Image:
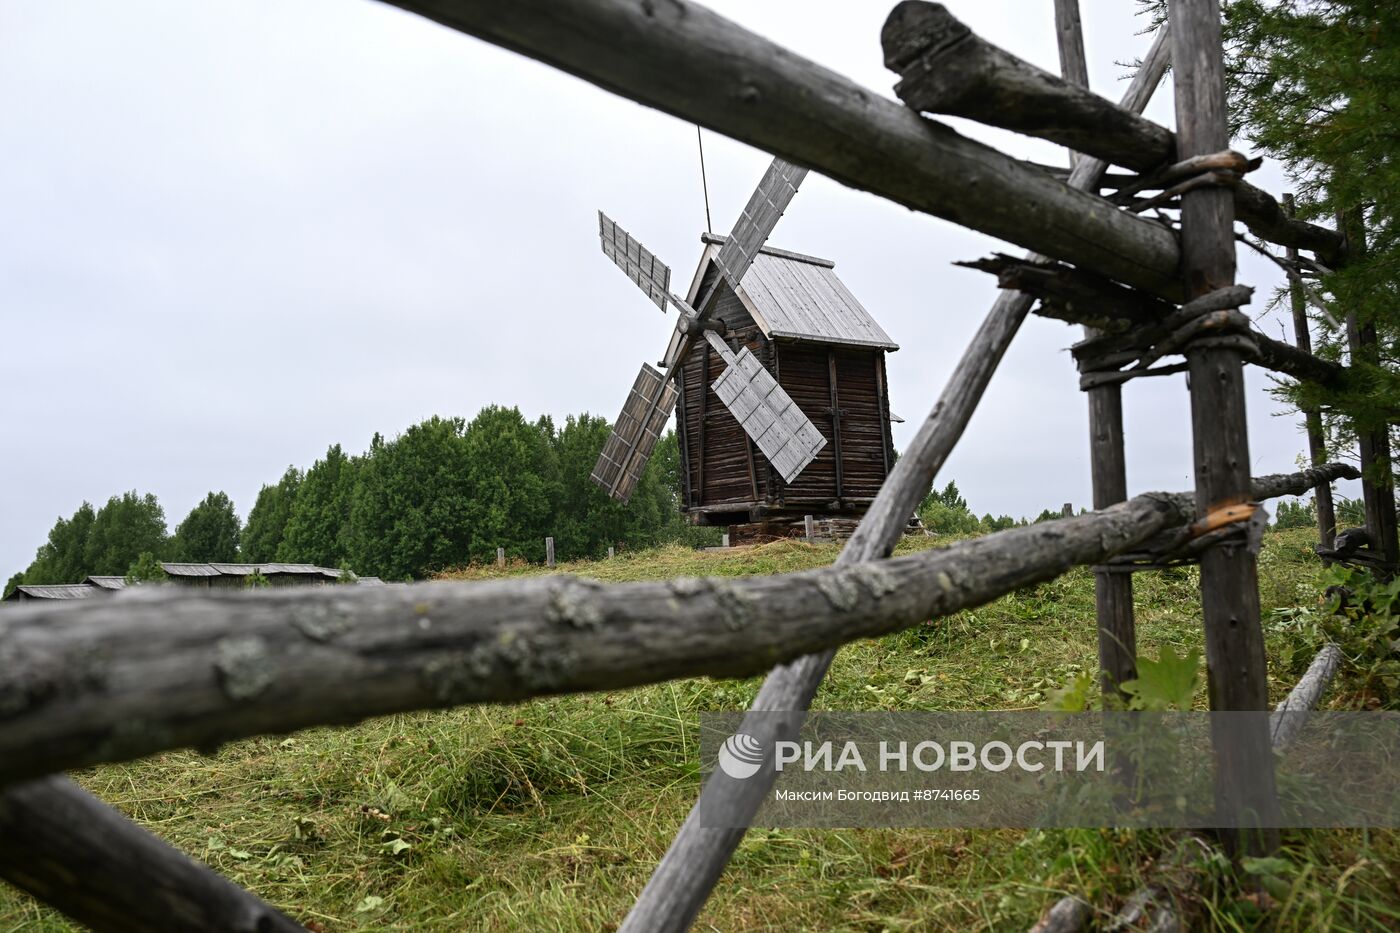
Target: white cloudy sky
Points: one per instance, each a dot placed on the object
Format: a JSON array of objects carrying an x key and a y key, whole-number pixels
[{"x": 237, "y": 231}]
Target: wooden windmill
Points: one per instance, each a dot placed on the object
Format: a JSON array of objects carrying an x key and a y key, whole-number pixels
[{"x": 778, "y": 372}]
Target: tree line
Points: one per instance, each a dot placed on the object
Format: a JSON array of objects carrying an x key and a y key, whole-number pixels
[{"x": 445, "y": 492}]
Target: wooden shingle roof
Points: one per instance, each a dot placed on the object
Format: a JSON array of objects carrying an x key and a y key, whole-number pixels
[{"x": 797, "y": 297}]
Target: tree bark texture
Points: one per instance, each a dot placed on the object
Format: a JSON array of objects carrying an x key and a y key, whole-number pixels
[{"x": 1312, "y": 418}]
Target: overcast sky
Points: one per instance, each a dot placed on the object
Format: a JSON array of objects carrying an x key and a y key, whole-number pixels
[{"x": 237, "y": 232}]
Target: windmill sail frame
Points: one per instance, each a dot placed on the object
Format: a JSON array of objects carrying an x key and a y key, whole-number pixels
[
  {"x": 635, "y": 434},
  {"x": 765, "y": 208},
  {"x": 637, "y": 262},
  {"x": 766, "y": 412}
]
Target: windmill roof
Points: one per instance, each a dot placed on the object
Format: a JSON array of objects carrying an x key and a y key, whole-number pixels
[{"x": 798, "y": 297}]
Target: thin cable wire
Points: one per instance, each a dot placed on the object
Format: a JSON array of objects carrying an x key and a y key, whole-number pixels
[{"x": 704, "y": 184}]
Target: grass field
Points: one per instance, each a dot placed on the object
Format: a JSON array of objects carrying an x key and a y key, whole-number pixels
[{"x": 549, "y": 815}]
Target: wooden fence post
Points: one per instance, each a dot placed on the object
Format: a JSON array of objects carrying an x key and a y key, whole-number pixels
[
  {"x": 1312, "y": 418},
  {"x": 1113, "y": 592},
  {"x": 500, "y": 557},
  {"x": 549, "y": 552},
  {"x": 1236, "y": 667},
  {"x": 810, "y": 528}
]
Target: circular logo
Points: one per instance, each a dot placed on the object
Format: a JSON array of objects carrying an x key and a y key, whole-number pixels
[{"x": 740, "y": 756}]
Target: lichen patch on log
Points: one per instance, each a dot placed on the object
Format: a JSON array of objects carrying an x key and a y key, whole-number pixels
[
  {"x": 573, "y": 602},
  {"x": 244, "y": 665},
  {"x": 320, "y": 622}
]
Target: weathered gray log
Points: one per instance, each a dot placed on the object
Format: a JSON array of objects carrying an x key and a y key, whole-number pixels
[
  {"x": 1312, "y": 418},
  {"x": 1074, "y": 296},
  {"x": 1258, "y": 210},
  {"x": 1067, "y": 915},
  {"x": 947, "y": 68},
  {"x": 1288, "y": 719},
  {"x": 682, "y": 58},
  {"x": 1236, "y": 669},
  {"x": 693, "y": 863},
  {"x": 82, "y": 857},
  {"x": 1077, "y": 297},
  {"x": 1113, "y": 592},
  {"x": 1069, "y": 37},
  {"x": 157, "y": 668}
]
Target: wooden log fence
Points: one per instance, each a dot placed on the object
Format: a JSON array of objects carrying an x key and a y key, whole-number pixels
[
  {"x": 112, "y": 680},
  {"x": 197, "y": 670},
  {"x": 693, "y": 863}
]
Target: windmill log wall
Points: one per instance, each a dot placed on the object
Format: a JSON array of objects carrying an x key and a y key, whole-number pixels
[{"x": 806, "y": 375}]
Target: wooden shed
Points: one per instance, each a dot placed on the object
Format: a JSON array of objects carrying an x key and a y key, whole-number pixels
[
  {"x": 29, "y": 591},
  {"x": 798, "y": 319}
]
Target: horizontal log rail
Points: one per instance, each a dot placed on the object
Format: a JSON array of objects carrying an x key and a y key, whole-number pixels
[
  {"x": 946, "y": 68},
  {"x": 685, "y": 60},
  {"x": 1129, "y": 317},
  {"x": 156, "y": 668}
]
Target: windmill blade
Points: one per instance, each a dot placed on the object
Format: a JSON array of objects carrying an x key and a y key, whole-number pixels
[
  {"x": 766, "y": 412},
  {"x": 639, "y": 263},
  {"x": 635, "y": 434},
  {"x": 769, "y": 200}
]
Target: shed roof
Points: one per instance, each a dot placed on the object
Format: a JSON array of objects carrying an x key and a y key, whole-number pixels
[
  {"x": 310, "y": 570},
  {"x": 181, "y": 569},
  {"x": 186, "y": 569},
  {"x": 55, "y": 591},
  {"x": 799, "y": 297},
  {"x": 107, "y": 582}
]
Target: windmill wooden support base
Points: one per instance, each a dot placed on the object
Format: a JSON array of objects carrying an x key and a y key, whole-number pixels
[{"x": 826, "y": 529}]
